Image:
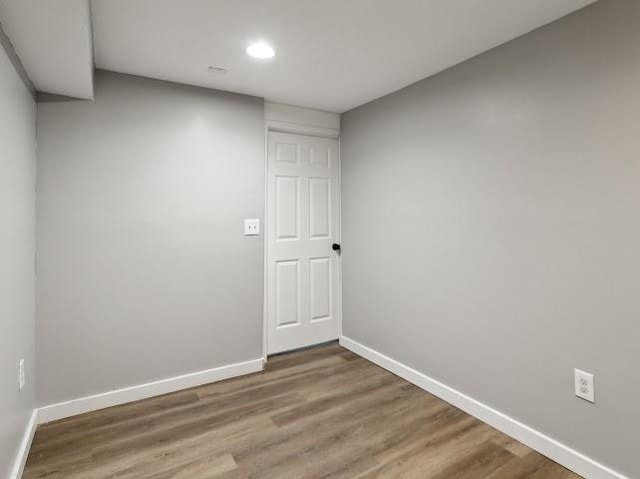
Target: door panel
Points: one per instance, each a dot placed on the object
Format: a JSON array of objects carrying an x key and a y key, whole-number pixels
[
  {"x": 302, "y": 223},
  {"x": 320, "y": 207},
  {"x": 320, "y": 280},
  {"x": 287, "y": 207},
  {"x": 287, "y": 153},
  {"x": 287, "y": 292},
  {"x": 319, "y": 155}
]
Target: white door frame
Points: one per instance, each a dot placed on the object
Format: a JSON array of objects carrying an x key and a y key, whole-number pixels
[{"x": 296, "y": 121}]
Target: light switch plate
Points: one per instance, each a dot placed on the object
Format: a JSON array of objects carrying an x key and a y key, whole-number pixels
[
  {"x": 251, "y": 227},
  {"x": 584, "y": 385}
]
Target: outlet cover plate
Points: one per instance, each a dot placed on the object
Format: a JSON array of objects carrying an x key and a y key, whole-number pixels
[
  {"x": 584, "y": 385},
  {"x": 252, "y": 227}
]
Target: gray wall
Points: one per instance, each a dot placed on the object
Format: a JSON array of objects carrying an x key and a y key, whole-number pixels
[
  {"x": 143, "y": 269},
  {"x": 491, "y": 228},
  {"x": 17, "y": 251}
]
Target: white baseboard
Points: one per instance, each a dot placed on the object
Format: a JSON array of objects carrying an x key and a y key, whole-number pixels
[
  {"x": 25, "y": 445},
  {"x": 144, "y": 391},
  {"x": 553, "y": 449}
]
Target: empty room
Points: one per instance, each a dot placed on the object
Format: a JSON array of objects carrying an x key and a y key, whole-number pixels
[{"x": 339, "y": 239}]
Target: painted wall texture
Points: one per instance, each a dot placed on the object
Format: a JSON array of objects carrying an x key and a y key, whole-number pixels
[
  {"x": 491, "y": 228},
  {"x": 17, "y": 258},
  {"x": 144, "y": 272}
]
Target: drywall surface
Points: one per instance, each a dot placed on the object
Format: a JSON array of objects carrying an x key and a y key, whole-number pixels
[
  {"x": 17, "y": 257},
  {"x": 491, "y": 228},
  {"x": 143, "y": 269}
]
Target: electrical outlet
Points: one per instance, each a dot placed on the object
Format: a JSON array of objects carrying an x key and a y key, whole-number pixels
[
  {"x": 584, "y": 385},
  {"x": 251, "y": 227},
  {"x": 21, "y": 379}
]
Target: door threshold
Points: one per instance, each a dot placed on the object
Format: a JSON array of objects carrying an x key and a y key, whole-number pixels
[{"x": 304, "y": 348}]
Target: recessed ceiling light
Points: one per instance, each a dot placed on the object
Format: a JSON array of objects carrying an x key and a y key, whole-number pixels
[{"x": 261, "y": 50}]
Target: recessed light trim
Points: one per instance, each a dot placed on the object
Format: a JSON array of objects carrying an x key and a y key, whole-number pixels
[{"x": 261, "y": 51}]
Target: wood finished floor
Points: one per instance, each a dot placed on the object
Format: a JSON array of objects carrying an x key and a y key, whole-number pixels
[{"x": 320, "y": 413}]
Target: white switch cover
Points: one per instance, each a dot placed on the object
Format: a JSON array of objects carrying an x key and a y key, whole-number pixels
[
  {"x": 21, "y": 374},
  {"x": 584, "y": 385},
  {"x": 251, "y": 227}
]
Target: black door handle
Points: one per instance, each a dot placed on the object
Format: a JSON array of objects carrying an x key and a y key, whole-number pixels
[{"x": 335, "y": 247}]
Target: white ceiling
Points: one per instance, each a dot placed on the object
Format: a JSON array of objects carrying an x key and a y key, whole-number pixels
[
  {"x": 331, "y": 54},
  {"x": 53, "y": 41}
]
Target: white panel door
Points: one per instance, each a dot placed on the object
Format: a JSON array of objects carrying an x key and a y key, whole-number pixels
[{"x": 303, "y": 223}]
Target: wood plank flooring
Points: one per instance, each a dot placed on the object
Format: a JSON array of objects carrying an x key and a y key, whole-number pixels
[{"x": 320, "y": 413}]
